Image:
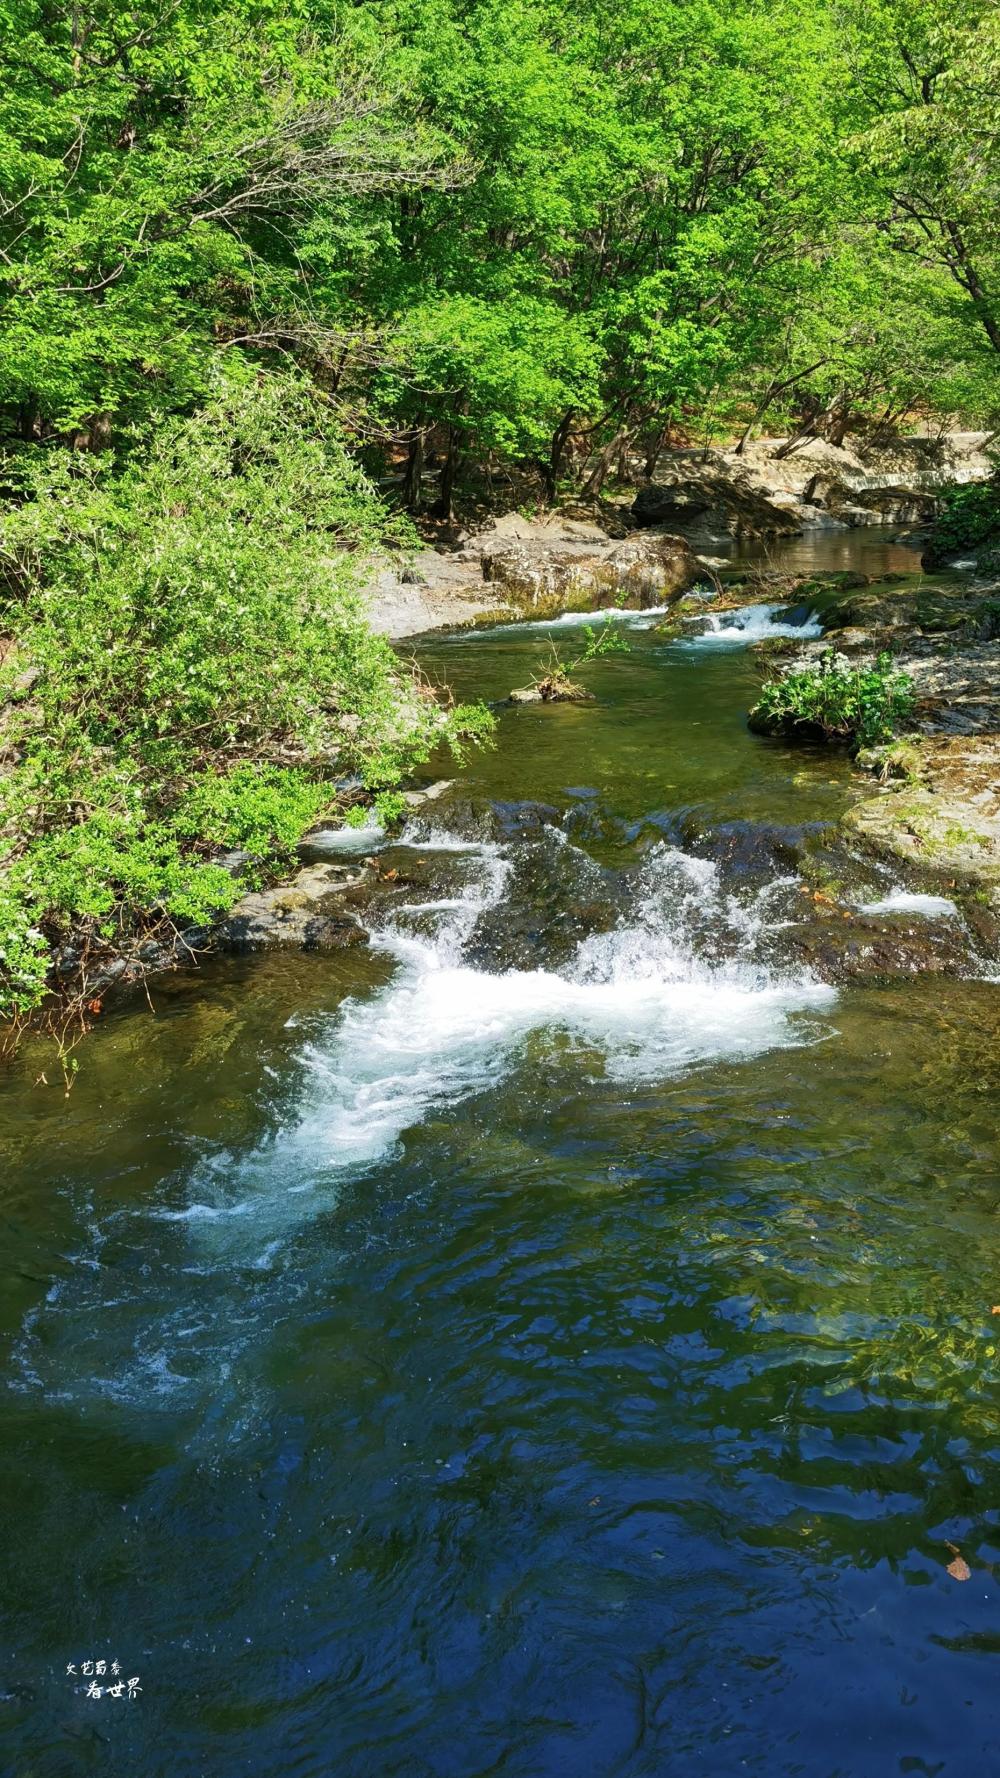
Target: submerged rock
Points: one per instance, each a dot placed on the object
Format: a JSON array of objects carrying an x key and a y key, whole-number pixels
[{"x": 555, "y": 896}]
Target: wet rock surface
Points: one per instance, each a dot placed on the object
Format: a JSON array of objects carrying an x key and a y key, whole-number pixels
[
  {"x": 937, "y": 809},
  {"x": 307, "y": 914},
  {"x": 544, "y": 579},
  {"x": 858, "y": 948},
  {"x": 521, "y": 567},
  {"x": 730, "y": 895},
  {"x": 555, "y": 896},
  {"x": 554, "y": 689}
]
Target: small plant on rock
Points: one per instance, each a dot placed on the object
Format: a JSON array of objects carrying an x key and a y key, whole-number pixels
[
  {"x": 554, "y": 678},
  {"x": 837, "y": 701}
]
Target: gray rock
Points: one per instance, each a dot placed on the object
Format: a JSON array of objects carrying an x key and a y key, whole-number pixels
[
  {"x": 637, "y": 572},
  {"x": 713, "y": 505},
  {"x": 417, "y": 799},
  {"x": 305, "y": 914}
]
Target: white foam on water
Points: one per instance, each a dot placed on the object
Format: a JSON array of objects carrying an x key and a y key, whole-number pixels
[
  {"x": 902, "y": 901},
  {"x": 650, "y": 997},
  {"x": 754, "y": 623},
  {"x": 646, "y": 1000},
  {"x": 575, "y": 619},
  {"x": 640, "y": 994},
  {"x": 433, "y": 907},
  {"x": 347, "y": 838},
  {"x": 433, "y": 841}
]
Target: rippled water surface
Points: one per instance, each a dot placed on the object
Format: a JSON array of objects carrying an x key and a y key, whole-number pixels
[{"x": 555, "y": 1339}]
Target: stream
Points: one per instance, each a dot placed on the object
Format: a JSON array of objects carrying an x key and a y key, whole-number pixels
[{"x": 553, "y": 1339}]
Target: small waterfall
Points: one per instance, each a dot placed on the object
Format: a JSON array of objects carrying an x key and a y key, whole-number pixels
[
  {"x": 758, "y": 623},
  {"x": 680, "y": 976}
]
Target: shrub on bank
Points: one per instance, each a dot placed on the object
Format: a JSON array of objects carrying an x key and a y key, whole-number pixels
[
  {"x": 969, "y": 520},
  {"x": 835, "y": 701},
  {"x": 187, "y": 671}
]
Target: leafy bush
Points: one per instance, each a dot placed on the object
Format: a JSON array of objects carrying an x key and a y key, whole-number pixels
[
  {"x": 189, "y": 668},
  {"x": 970, "y": 516},
  {"x": 859, "y": 705}
]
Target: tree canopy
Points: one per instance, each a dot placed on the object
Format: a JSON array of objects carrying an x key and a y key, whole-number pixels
[{"x": 501, "y": 225}]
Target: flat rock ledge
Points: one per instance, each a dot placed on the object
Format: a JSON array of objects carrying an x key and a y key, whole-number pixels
[{"x": 943, "y": 817}]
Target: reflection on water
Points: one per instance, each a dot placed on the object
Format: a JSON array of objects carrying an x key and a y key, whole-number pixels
[
  {"x": 871, "y": 550},
  {"x": 425, "y": 1365}
]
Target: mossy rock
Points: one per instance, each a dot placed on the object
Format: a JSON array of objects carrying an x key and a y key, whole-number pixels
[{"x": 936, "y": 833}]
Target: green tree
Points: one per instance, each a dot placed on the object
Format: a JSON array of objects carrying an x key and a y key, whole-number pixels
[{"x": 928, "y": 79}]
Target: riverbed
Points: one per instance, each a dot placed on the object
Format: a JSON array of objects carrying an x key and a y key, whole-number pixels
[{"x": 555, "y": 1338}]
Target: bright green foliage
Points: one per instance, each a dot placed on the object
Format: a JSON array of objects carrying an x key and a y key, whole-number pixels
[
  {"x": 388, "y": 807},
  {"x": 173, "y": 179},
  {"x": 859, "y": 705},
  {"x": 508, "y": 228},
  {"x": 554, "y": 670},
  {"x": 245, "y": 244},
  {"x": 970, "y": 518},
  {"x": 927, "y": 77},
  {"x": 191, "y": 670}
]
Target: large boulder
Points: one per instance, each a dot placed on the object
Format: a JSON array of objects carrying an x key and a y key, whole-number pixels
[
  {"x": 713, "y": 506},
  {"x": 889, "y": 503},
  {"x": 638, "y": 572}
]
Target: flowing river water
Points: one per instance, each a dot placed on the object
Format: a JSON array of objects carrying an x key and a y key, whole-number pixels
[{"x": 553, "y": 1340}]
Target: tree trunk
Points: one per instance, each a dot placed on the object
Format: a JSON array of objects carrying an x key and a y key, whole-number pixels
[
  {"x": 839, "y": 418},
  {"x": 605, "y": 458},
  {"x": 795, "y": 442},
  {"x": 774, "y": 389},
  {"x": 27, "y": 415},
  {"x": 654, "y": 448},
  {"x": 444, "y": 505},
  {"x": 551, "y": 470},
  {"x": 963, "y": 270},
  {"x": 95, "y": 436},
  {"x": 413, "y": 475}
]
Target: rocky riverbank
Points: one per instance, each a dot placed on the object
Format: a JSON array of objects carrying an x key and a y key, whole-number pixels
[
  {"x": 774, "y": 488},
  {"x": 651, "y": 546},
  {"x": 520, "y": 567},
  {"x": 935, "y": 814},
  {"x": 926, "y": 822}
]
